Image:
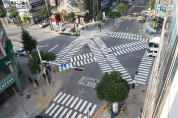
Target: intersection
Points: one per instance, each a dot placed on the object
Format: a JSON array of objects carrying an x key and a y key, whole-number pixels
[{"x": 112, "y": 51}]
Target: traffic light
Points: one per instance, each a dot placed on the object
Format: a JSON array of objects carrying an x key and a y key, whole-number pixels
[{"x": 78, "y": 69}]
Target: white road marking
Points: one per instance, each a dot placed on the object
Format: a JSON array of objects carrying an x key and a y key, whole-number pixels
[
  {"x": 78, "y": 104},
  {"x": 65, "y": 110},
  {"x": 73, "y": 116},
  {"x": 50, "y": 108},
  {"x": 87, "y": 108},
  {"x": 53, "y": 110},
  {"x": 70, "y": 101},
  {"x": 81, "y": 108},
  {"x": 67, "y": 116},
  {"x": 58, "y": 112},
  {"x": 73, "y": 103},
  {"x": 93, "y": 109},
  {"x": 57, "y": 96},
  {"x": 53, "y": 48}
]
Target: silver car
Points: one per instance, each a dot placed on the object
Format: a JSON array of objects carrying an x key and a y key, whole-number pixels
[{"x": 21, "y": 52}]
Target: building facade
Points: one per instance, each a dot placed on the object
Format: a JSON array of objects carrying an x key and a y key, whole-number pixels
[
  {"x": 29, "y": 10},
  {"x": 162, "y": 94},
  {"x": 8, "y": 67}
]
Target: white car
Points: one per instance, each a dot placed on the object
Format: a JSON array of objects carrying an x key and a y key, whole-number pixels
[
  {"x": 21, "y": 52},
  {"x": 44, "y": 23}
]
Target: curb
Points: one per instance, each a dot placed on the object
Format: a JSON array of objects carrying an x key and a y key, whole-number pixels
[
  {"x": 47, "y": 99},
  {"x": 119, "y": 23},
  {"x": 144, "y": 34},
  {"x": 99, "y": 110}
]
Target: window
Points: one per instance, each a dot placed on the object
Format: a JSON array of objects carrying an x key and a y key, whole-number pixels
[{"x": 4, "y": 72}]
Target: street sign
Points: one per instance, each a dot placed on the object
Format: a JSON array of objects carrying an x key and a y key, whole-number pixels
[{"x": 64, "y": 65}]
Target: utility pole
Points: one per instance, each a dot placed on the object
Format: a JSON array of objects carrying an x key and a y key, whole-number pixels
[
  {"x": 48, "y": 15},
  {"x": 44, "y": 70}
]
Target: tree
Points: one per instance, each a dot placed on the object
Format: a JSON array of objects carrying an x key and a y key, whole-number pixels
[
  {"x": 72, "y": 17},
  {"x": 100, "y": 18},
  {"x": 29, "y": 42},
  {"x": 44, "y": 12},
  {"x": 13, "y": 12},
  {"x": 112, "y": 88},
  {"x": 150, "y": 4},
  {"x": 114, "y": 14},
  {"x": 122, "y": 7},
  {"x": 3, "y": 12},
  {"x": 34, "y": 63}
]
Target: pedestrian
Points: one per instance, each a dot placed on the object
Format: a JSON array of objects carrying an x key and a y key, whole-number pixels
[
  {"x": 36, "y": 82},
  {"x": 30, "y": 79}
]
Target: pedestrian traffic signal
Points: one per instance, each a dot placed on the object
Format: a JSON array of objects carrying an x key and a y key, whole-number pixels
[{"x": 78, "y": 69}]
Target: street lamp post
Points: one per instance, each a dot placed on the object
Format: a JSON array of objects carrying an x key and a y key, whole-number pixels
[{"x": 44, "y": 70}]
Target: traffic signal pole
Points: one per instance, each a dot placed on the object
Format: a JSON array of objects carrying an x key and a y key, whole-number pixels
[{"x": 44, "y": 70}]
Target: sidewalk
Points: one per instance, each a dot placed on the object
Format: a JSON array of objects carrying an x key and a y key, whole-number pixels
[
  {"x": 144, "y": 31},
  {"x": 32, "y": 97},
  {"x": 134, "y": 104}
]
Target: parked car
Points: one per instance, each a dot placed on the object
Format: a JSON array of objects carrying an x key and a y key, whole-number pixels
[
  {"x": 142, "y": 20},
  {"x": 21, "y": 52},
  {"x": 44, "y": 23}
]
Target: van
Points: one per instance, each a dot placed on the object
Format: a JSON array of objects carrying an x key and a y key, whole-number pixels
[{"x": 152, "y": 50}]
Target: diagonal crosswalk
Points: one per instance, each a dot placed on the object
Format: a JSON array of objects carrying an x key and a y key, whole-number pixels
[
  {"x": 69, "y": 51},
  {"x": 67, "y": 106},
  {"x": 144, "y": 70}
]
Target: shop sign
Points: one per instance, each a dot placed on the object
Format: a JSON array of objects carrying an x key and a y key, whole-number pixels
[
  {"x": 37, "y": 4},
  {"x": 104, "y": 2},
  {"x": 162, "y": 8},
  {"x": 5, "y": 61},
  {"x": 21, "y": 7},
  {"x": 8, "y": 82},
  {"x": 52, "y": 2}
]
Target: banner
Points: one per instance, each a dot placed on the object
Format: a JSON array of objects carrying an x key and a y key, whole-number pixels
[{"x": 52, "y": 3}]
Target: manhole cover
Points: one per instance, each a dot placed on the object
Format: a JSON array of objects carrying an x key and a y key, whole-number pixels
[
  {"x": 143, "y": 90},
  {"x": 28, "y": 96}
]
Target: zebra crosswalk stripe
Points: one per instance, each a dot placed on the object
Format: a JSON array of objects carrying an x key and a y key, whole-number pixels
[
  {"x": 83, "y": 106},
  {"x": 87, "y": 108},
  {"x": 55, "y": 116},
  {"x": 50, "y": 108},
  {"x": 57, "y": 96},
  {"x": 53, "y": 110},
  {"x": 68, "y": 114},
  {"x": 73, "y": 103},
  {"x": 70, "y": 101},
  {"x": 73, "y": 116}
]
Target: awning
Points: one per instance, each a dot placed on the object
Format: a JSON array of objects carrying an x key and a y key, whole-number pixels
[
  {"x": 54, "y": 11},
  {"x": 80, "y": 13}
]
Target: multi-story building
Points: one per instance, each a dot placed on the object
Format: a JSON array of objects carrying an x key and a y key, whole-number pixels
[
  {"x": 162, "y": 94},
  {"x": 8, "y": 67},
  {"x": 28, "y": 10}
]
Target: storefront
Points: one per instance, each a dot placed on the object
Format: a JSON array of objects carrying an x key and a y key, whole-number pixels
[{"x": 8, "y": 73}]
